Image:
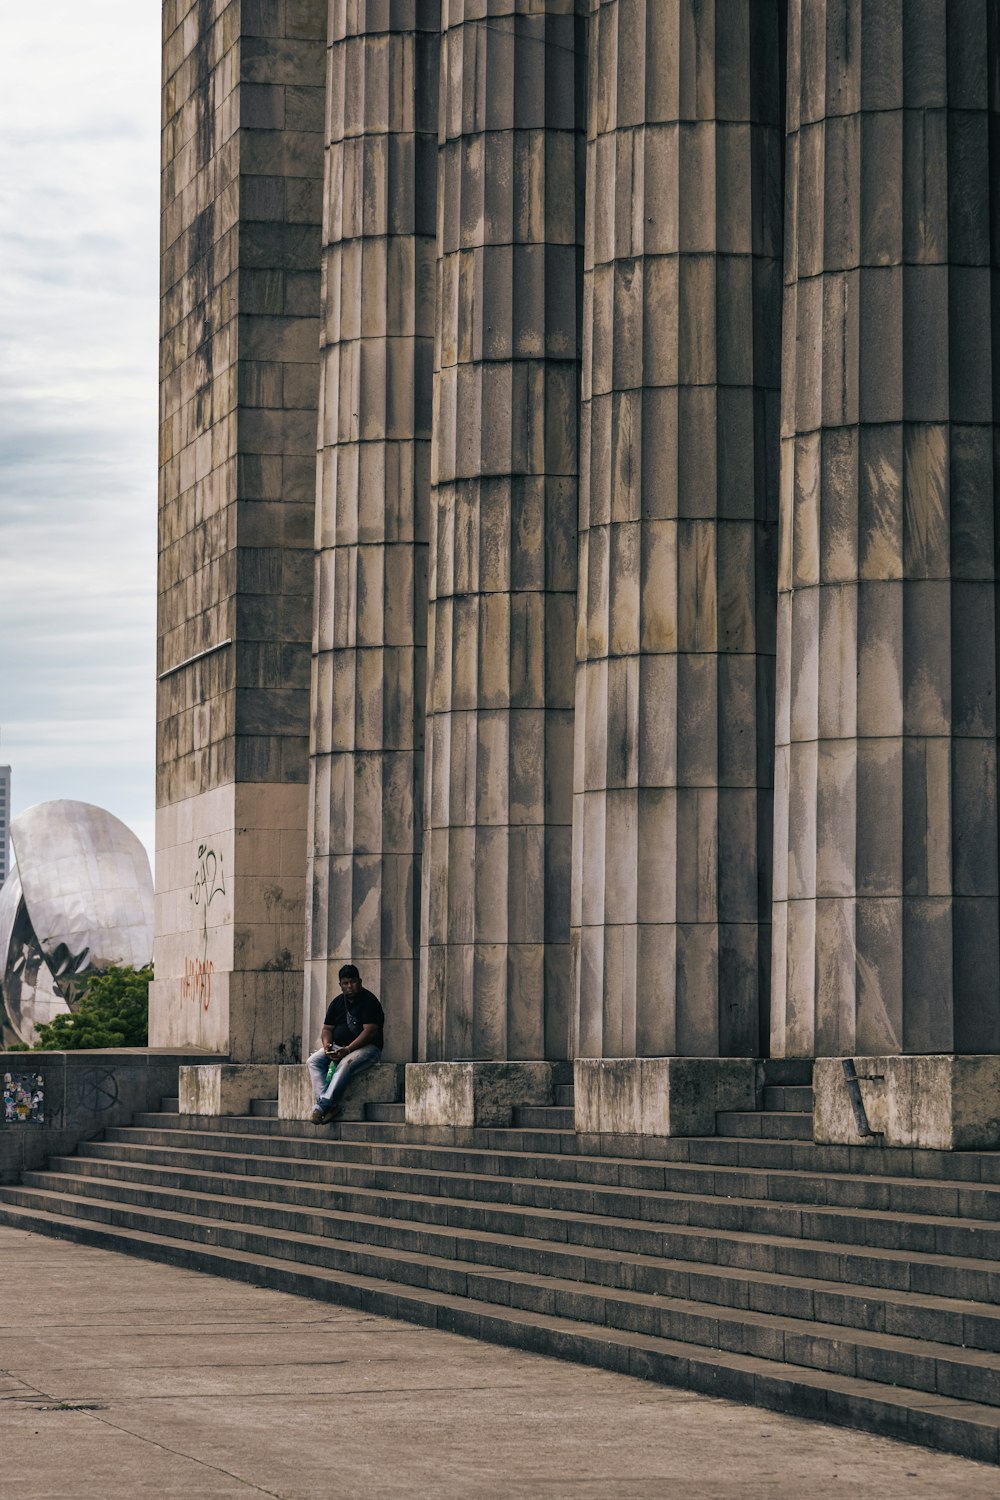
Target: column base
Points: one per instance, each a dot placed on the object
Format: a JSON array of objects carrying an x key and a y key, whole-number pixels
[
  {"x": 475, "y": 1093},
  {"x": 939, "y": 1102},
  {"x": 382, "y": 1084},
  {"x": 225, "y": 1088},
  {"x": 660, "y": 1095}
]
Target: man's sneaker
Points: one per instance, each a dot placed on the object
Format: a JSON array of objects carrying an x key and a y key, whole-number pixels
[{"x": 324, "y": 1116}]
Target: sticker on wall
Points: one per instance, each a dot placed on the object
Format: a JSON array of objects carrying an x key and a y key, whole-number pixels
[{"x": 23, "y": 1098}]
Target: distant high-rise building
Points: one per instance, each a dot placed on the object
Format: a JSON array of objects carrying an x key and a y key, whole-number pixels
[{"x": 4, "y": 823}]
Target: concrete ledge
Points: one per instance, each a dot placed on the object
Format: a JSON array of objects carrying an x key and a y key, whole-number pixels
[
  {"x": 938, "y": 1102},
  {"x": 475, "y": 1093},
  {"x": 382, "y": 1084},
  {"x": 225, "y": 1088},
  {"x": 85, "y": 1091},
  {"x": 660, "y": 1096}
]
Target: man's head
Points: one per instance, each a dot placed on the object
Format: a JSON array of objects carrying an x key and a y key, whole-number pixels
[{"x": 350, "y": 981}]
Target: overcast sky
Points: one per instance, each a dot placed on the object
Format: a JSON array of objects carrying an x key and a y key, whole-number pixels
[{"x": 79, "y": 163}]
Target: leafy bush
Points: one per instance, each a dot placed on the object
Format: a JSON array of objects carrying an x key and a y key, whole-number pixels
[{"x": 114, "y": 1012}]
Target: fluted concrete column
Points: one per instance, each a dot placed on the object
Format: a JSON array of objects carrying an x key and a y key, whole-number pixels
[
  {"x": 885, "y": 918},
  {"x": 374, "y": 475},
  {"x": 682, "y": 310},
  {"x": 495, "y": 923}
]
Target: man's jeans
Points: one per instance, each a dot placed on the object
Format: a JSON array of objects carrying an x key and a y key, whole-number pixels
[{"x": 356, "y": 1062}]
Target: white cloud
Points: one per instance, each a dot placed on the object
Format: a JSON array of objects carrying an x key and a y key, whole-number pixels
[{"x": 79, "y": 166}]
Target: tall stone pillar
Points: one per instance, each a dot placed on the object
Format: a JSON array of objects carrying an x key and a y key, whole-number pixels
[
  {"x": 374, "y": 480},
  {"x": 502, "y": 571},
  {"x": 886, "y": 935},
  {"x": 242, "y": 174},
  {"x": 678, "y": 515}
]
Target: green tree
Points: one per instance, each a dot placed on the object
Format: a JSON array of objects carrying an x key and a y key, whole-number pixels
[{"x": 113, "y": 1012}]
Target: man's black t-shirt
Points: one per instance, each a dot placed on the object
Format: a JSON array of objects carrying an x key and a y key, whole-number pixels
[{"x": 346, "y": 1017}]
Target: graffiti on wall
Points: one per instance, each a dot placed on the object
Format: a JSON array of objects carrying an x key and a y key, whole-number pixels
[
  {"x": 209, "y": 882},
  {"x": 197, "y": 982},
  {"x": 23, "y": 1098},
  {"x": 96, "y": 1090}
]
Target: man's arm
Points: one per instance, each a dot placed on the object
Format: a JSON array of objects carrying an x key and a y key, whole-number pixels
[{"x": 364, "y": 1038}]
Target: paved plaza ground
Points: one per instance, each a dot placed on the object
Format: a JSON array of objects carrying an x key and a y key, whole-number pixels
[{"x": 128, "y": 1378}]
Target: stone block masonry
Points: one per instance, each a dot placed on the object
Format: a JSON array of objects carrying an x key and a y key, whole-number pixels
[
  {"x": 465, "y": 1094},
  {"x": 937, "y": 1103},
  {"x": 382, "y": 1084},
  {"x": 224, "y": 1088},
  {"x": 85, "y": 1093},
  {"x": 578, "y": 555},
  {"x": 243, "y": 100},
  {"x": 660, "y": 1096}
]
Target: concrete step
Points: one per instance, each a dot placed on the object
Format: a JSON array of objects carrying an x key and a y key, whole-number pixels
[
  {"x": 626, "y": 1253},
  {"x": 420, "y": 1283},
  {"x": 776, "y": 1126},
  {"x": 738, "y": 1247},
  {"x": 264, "y": 1109},
  {"x": 544, "y": 1117},
  {"x": 795, "y": 1098},
  {"x": 565, "y": 1095},
  {"x": 966, "y": 1167},
  {"x": 931, "y": 1419},
  {"x": 170, "y": 1104},
  {"x": 899, "y": 1196},
  {"x": 657, "y": 1199},
  {"x": 413, "y": 1258},
  {"x": 744, "y": 1236},
  {"x": 788, "y": 1070},
  {"x": 936, "y": 1274},
  {"x": 396, "y": 1113}
]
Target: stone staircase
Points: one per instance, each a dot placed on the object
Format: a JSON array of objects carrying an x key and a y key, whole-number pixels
[{"x": 858, "y": 1286}]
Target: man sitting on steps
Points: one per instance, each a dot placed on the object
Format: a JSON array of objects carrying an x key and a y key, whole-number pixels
[{"x": 352, "y": 1038}]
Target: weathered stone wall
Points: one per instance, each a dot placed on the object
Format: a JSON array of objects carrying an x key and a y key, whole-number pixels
[
  {"x": 552, "y": 361},
  {"x": 369, "y": 669},
  {"x": 886, "y": 925},
  {"x": 242, "y": 153},
  {"x": 83, "y": 1094},
  {"x": 678, "y": 517}
]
